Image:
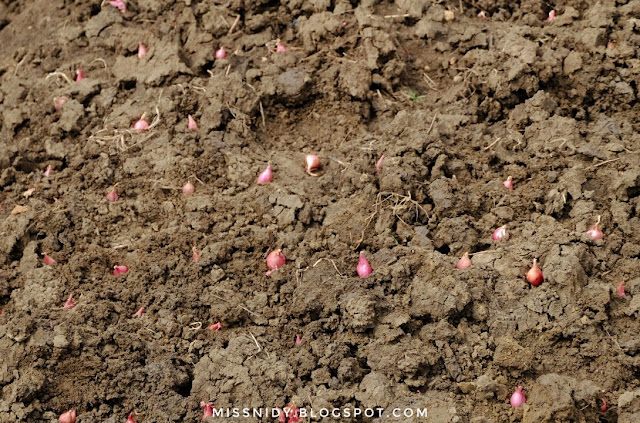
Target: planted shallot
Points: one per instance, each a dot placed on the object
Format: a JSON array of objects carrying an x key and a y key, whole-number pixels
[
  {"x": 517, "y": 398},
  {"x": 191, "y": 124},
  {"x": 221, "y": 53},
  {"x": 275, "y": 260},
  {"x": 188, "y": 188},
  {"x": 120, "y": 269},
  {"x": 266, "y": 175},
  {"x": 508, "y": 183},
  {"x": 500, "y": 234},
  {"x": 312, "y": 164},
  {"x": 595, "y": 232},
  {"x": 141, "y": 125},
  {"x": 207, "y": 409},
  {"x": 142, "y": 50},
  {"x": 69, "y": 304},
  {"x": 534, "y": 275},
  {"x": 48, "y": 260},
  {"x": 68, "y": 417},
  {"x": 464, "y": 262},
  {"x": 364, "y": 268},
  {"x": 112, "y": 195}
]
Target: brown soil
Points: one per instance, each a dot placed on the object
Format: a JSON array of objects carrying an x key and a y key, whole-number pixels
[{"x": 552, "y": 104}]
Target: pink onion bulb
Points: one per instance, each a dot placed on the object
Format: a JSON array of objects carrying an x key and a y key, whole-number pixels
[
  {"x": 141, "y": 125},
  {"x": 312, "y": 163},
  {"x": 112, "y": 195},
  {"x": 266, "y": 176},
  {"x": 68, "y": 417},
  {"x": 508, "y": 184},
  {"x": 142, "y": 50},
  {"x": 120, "y": 269},
  {"x": 188, "y": 188},
  {"x": 191, "y": 124},
  {"x": 364, "y": 268},
  {"x": 221, "y": 53},
  {"x": 500, "y": 234},
  {"x": 517, "y": 398},
  {"x": 464, "y": 261},
  {"x": 595, "y": 232},
  {"x": 275, "y": 260}
]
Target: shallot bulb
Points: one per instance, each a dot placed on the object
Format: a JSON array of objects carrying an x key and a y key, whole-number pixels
[
  {"x": 130, "y": 418},
  {"x": 508, "y": 184},
  {"x": 120, "y": 269},
  {"x": 552, "y": 16},
  {"x": 191, "y": 124},
  {"x": 58, "y": 102},
  {"x": 142, "y": 50},
  {"x": 48, "y": 260},
  {"x": 500, "y": 234},
  {"x": 196, "y": 255},
  {"x": 120, "y": 5},
  {"x": 141, "y": 125},
  {"x": 112, "y": 195},
  {"x": 216, "y": 326},
  {"x": 280, "y": 48},
  {"x": 68, "y": 417},
  {"x": 139, "y": 313},
  {"x": 534, "y": 275},
  {"x": 79, "y": 75},
  {"x": 266, "y": 176},
  {"x": 364, "y": 268},
  {"x": 188, "y": 188},
  {"x": 298, "y": 339},
  {"x": 482, "y": 15},
  {"x": 221, "y": 53},
  {"x": 207, "y": 408},
  {"x": 517, "y": 398},
  {"x": 312, "y": 164},
  {"x": 604, "y": 405},
  {"x": 68, "y": 305},
  {"x": 595, "y": 232},
  {"x": 379, "y": 163},
  {"x": 620, "y": 290},
  {"x": 47, "y": 172},
  {"x": 275, "y": 260},
  {"x": 464, "y": 262}
]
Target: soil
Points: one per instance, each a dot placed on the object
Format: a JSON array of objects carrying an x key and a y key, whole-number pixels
[{"x": 454, "y": 102}]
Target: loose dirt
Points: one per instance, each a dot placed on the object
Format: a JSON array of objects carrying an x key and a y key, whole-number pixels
[{"x": 454, "y": 102}]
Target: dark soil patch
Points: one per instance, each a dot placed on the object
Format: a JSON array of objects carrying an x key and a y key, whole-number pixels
[{"x": 455, "y": 106}]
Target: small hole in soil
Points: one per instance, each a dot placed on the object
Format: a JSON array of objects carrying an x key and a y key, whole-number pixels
[
  {"x": 184, "y": 390},
  {"x": 444, "y": 249},
  {"x": 128, "y": 85}
]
